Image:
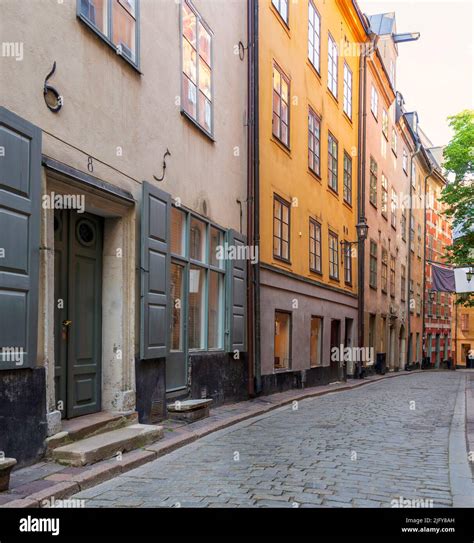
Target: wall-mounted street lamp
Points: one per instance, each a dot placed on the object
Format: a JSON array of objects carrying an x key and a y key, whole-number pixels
[
  {"x": 469, "y": 274},
  {"x": 362, "y": 230},
  {"x": 431, "y": 295}
]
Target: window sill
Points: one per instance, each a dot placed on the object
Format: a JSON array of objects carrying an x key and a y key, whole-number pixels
[
  {"x": 281, "y": 145},
  {"x": 314, "y": 69},
  {"x": 373, "y": 287},
  {"x": 373, "y": 205},
  {"x": 315, "y": 175},
  {"x": 198, "y": 126},
  {"x": 348, "y": 119},
  {"x": 374, "y": 116},
  {"x": 335, "y": 98},
  {"x": 105, "y": 39},
  {"x": 333, "y": 192},
  {"x": 348, "y": 205},
  {"x": 285, "y": 25}
]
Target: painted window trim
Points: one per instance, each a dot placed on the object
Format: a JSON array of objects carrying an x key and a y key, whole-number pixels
[
  {"x": 316, "y": 117},
  {"x": 336, "y": 189},
  {"x": 348, "y": 186},
  {"x": 311, "y": 4},
  {"x": 330, "y": 57},
  {"x": 107, "y": 39},
  {"x": 313, "y": 241},
  {"x": 186, "y": 261},
  {"x": 290, "y": 342},
  {"x": 335, "y": 263},
  {"x": 350, "y": 91},
  {"x": 282, "y": 73},
  {"x": 283, "y": 202},
  {"x": 277, "y": 9}
]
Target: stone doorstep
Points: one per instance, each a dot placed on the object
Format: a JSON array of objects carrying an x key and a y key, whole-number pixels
[
  {"x": 102, "y": 446},
  {"x": 93, "y": 475},
  {"x": 88, "y": 426},
  {"x": 6, "y": 466}
]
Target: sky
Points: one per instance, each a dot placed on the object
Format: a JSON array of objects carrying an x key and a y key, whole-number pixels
[{"x": 436, "y": 73}]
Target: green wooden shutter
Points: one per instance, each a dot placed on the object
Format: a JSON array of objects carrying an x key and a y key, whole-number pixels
[
  {"x": 155, "y": 272},
  {"x": 236, "y": 306},
  {"x": 20, "y": 191}
]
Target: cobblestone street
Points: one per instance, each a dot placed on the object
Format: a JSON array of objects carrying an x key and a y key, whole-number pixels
[{"x": 359, "y": 448}]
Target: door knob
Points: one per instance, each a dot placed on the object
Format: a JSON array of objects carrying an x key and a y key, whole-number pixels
[{"x": 67, "y": 323}]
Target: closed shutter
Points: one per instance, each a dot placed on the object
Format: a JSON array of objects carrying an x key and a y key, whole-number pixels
[
  {"x": 20, "y": 191},
  {"x": 155, "y": 272},
  {"x": 236, "y": 295}
]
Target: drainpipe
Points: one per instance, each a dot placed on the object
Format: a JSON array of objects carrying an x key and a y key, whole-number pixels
[
  {"x": 362, "y": 152},
  {"x": 410, "y": 242},
  {"x": 253, "y": 209},
  {"x": 424, "y": 263}
]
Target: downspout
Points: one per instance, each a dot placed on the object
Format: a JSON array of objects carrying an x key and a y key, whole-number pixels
[
  {"x": 424, "y": 263},
  {"x": 250, "y": 200},
  {"x": 410, "y": 243},
  {"x": 253, "y": 203}
]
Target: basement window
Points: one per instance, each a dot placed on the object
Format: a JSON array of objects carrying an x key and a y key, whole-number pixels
[{"x": 282, "y": 344}]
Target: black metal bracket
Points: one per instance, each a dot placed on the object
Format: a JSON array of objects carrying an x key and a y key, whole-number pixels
[
  {"x": 49, "y": 89},
  {"x": 159, "y": 179}
]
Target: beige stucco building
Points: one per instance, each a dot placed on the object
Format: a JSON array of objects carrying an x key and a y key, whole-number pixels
[{"x": 148, "y": 91}]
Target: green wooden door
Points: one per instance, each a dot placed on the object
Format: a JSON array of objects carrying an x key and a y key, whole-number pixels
[{"x": 78, "y": 323}]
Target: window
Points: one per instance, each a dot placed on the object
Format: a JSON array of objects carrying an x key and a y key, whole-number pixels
[
  {"x": 281, "y": 229},
  {"x": 314, "y": 142},
  {"x": 405, "y": 161},
  {"x": 419, "y": 241},
  {"x": 197, "y": 69},
  {"x": 347, "y": 264},
  {"x": 374, "y": 102},
  {"x": 332, "y": 162},
  {"x": 438, "y": 305},
  {"x": 394, "y": 141},
  {"x": 465, "y": 322},
  {"x": 392, "y": 276},
  {"x": 316, "y": 341},
  {"x": 347, "y": 178},
  {"x": 315, "y": 246},
  {"x": 393, "y": 215},
  {"x": 347, "y": 91},
  {"x": 197, "y": 282},
  {"x": 282, "y": 345},
  {"x": 412, "y": 234},
  {"x": 392, "y": 73},
  {"x": 314, "y": 37},
  {"x": 430, "y": 306},
  {"x": 384, "y": 273},
  {"x": 418, "y": 298},
  {"x": 333, "y": 256},
  {"x": 403, "y": 223},
  {"x": 412, "y": 297},
  {"x": 413, "y": 174},
  {"x": 373, "y": 182},
  {"x": 281, "y": 106},
  {"x": 282, "y": 8},
  {"x": 384, "y": 196},
  {"x": 403, "y": 284},
  {"x": 115, "y": 21},
  {"x": 373, "y": 264},
  {"x": 385, "y": 124},
  {"x": 332, "y": 66}
]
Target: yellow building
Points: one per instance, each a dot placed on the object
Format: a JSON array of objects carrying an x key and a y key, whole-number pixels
[
  {"x": 309, "y": 59},
  {"x": 463, "y": 333}
]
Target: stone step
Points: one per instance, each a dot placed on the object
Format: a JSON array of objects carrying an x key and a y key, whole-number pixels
[
  {"x": 88, "y": 426},
  {"x": 106, "y": 445},
  {"x": 189, "y": 410}
]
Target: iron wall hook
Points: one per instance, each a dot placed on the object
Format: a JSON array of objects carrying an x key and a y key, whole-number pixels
[
  {"x": 159, "y": 179},
  {"x": 50, "y": 90}
]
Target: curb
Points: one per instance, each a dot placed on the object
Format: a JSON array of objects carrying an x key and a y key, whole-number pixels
[{"x": 70, "y": 484}]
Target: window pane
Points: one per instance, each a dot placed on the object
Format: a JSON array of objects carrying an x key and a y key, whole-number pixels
[
  {"x": 177, "y": 300},
  {"x": 95, "y": 11},
  {"x": 205, "y": 44},
  {"x": 205, "y": 79},
  {"x": 216, "y": 242},
  {"x": 189, "y": 61},
  {"x": 316, "y": 338},
  {"x": 189, "y": 97},
  {"x": 196, "y": 308},
  {"x": 282, "y": 340},
  {"x": 205, "y": 109},
  {"x": 189, "y": 24},
  {"x": 178, "y": 232},
  {"x": 215, "y": 317},
  {"x": 123, "y": 26},
  {"x": 197, "y": 240}
]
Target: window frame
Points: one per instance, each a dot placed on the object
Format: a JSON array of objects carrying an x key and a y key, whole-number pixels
[
  {"x": 314, "y": 243},
  {"x": 347, "y": 258},
  {"x": 374, "y": 103},
  {"x": 394, "y": 206},
  {"x": 331, "y": 159},
  {"x": 347, "y": 179},
  {"x": 333, "y": 80},
  {"x": 384, "y": 192},
  {"x": 283, "y": 203},
  {"x": 290, "y": 342},
  {"x": 288, "y": 82},
  {"x": 405, "y": 161},
  {"x": 333, "y": 253},
  {"x": 348, "y": 86},
  {"x": 394, "y": 141},
  {"x": 107, "y": 38},
  {"x": 311, "y": 25},
  {"x": 373, "y": 182},
  {"x": 385, "y": 123},
  {"x": 278, "y": 10},
  {"x": 312, "y": 137},
  {"x": 320, "y": 346},
  {"x": 403, "y": 283},
  {"x": 184, "y": 260},
  {"x": 373, "y": 264},
  {"x": 392, "y": 276},
  {"x": 384, "y": 271},
  {"x": 199, "y": 20}
]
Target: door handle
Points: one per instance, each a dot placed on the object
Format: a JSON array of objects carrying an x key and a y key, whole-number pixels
[{"x": 66, "y": 323}]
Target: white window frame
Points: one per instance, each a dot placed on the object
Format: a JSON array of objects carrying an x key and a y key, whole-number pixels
[
  {"x": 333, "y": 65},
  {"x": 314, "y": 32},
  {"x": 347, "y": 106}
]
